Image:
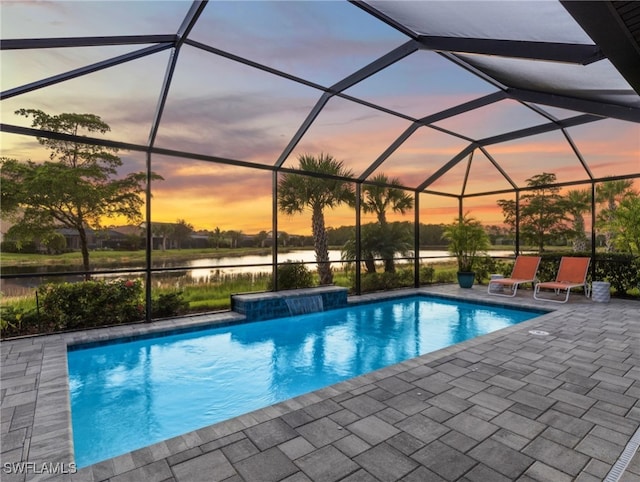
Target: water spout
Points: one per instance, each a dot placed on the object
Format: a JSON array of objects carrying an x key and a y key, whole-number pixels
[{"x": 300, "y": 305}]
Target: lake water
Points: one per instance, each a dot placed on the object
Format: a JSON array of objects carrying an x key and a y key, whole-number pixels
[{"x": 200, "y": 270}]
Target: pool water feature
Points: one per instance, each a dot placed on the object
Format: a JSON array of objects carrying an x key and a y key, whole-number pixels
[
  {"x": 304, "y": 304},
  {"x": 131, "y": 393}
]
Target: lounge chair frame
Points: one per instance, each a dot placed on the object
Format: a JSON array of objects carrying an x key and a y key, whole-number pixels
[
  {"x": 524, "y": 270},
  {"x": 566, "y": 281}
]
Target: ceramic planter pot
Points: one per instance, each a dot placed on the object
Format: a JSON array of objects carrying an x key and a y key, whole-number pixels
[{"x": 466, "y": 279}]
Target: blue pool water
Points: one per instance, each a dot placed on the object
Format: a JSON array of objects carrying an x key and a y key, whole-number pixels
[{"x": 130, "y": 394}]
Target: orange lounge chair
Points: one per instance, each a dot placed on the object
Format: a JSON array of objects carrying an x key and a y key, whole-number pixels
[
  {"x": 524, "y": 271},
  {"x": 572, "y": 273}
]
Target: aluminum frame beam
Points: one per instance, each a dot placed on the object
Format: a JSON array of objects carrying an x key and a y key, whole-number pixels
[
  {"x": 377, "y": 65},
  {"x": 497, "y": 165},
  {"x": 65, "y": 42},
  {"x": 551, "y": 51},
  {"x": 539, "y": 129},
  {"x": 604, "y": 24},
  {"x": 87, "y": 69},
  {"x": 185, "y": 28},
  {"x": 449, "y": 165},
  {"x": 536, "y": 50},
  {"x": 594, "y": 107},
  {"x": 426, "y": 121}
]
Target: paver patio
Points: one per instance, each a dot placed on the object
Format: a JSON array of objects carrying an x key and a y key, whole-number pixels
[{"x": 511, "y": 405}]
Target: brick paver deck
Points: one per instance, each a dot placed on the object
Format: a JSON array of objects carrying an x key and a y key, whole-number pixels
[{"x": 511, "y": 405}]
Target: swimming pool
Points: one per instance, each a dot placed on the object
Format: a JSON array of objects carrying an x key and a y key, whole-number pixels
[{"x": 131, "y": 393}]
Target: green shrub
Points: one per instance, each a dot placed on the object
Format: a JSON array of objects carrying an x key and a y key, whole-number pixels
[
  {"x": 17, "y": 321},
  {"x": 405, "y": 277},
  {"x": 427, "y": 274},
  {"x": 548, "y": 267},
  {"x": 446, "y": 276},
  {"x": 372, "y": 282},
  {"x": 293, "y": 275},
  {"x": 68, "y": 306},
  {"x": 619, "y": 269},
  {"x": 485, "y": 266},
  {"x": 11, "y": 246},
  {"x": 386, "y": 281},
  {"x": 169, "y": 304}
]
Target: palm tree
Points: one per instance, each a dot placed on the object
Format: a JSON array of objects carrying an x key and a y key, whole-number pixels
[
  {"x": 378, "y": 199},
  {"x": 348, "y": 251},
  {"x": 164, "y": 231},
  {"x": 234, "y": 238},
  {"x": 297, "y": 192},
  {"x": 379, "y": 241},
  {"x": 626, "y": 225},
  {"x": 385, "y": 240},
  {"x": 383, "y": 195},
  {"x": 578, "y": 202},
  {"x": 610, "y": 193},
  {"x": 216, "y": 237}
]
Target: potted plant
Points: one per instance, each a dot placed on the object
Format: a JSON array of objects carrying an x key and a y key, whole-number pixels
[{"x": 467, "y": 242}]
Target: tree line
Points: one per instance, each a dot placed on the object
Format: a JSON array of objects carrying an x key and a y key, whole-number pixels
[{"x": 547, "y": 217}]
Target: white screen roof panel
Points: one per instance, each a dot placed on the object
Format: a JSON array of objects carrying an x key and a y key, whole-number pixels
[
  {"x": 597, "y": 81},
  {"x": 540, "y": 21}
]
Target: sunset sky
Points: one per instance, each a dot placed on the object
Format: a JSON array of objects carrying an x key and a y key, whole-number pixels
[{"x": 223, "y": 108}]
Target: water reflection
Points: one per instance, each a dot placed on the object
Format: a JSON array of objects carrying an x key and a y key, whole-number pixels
[{"x": 197, "y": 271}]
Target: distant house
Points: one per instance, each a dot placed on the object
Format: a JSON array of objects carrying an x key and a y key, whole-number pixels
[
  {"x": 129, "y": 230},
  {"x": 133, "y": 237},
  {"x": 128, "y": 238},
  {"x": 247, "y": 241},
  {"x": 161, "y": 235},
  {"x": 284, "y": 239},
  {"x": 73, "y": 238},
  {"x": 198, "y": 240},
  {"x": 109, "y": 238}
]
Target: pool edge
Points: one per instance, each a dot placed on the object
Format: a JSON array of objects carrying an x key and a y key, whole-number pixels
[{"x": 271, "y": 412}]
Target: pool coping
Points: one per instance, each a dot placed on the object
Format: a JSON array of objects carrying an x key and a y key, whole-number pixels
[
  {"x": 152, "y": 331},
  {"x": 50, "y": 439}
]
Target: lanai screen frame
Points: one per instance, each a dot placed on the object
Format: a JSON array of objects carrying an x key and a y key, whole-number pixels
[{"x": 450, "y": 48}]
